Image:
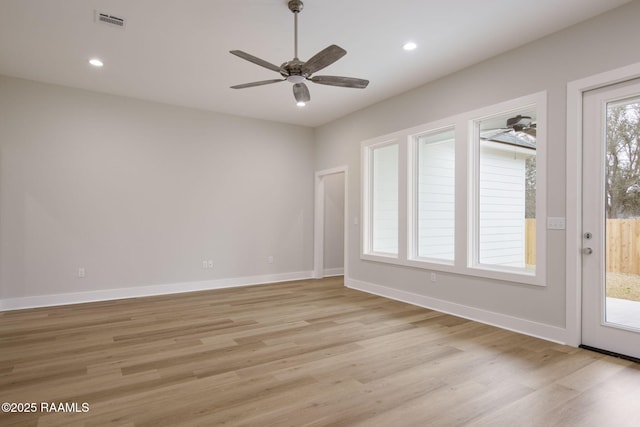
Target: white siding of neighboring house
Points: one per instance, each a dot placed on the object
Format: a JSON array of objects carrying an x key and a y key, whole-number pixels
[
  {"x": 436, "y": 200},
  {"x": 385, "y": 200},
  {"x": 502, "y": 204}
]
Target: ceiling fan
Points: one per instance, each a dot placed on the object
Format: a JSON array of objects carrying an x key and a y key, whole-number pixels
[
  {"x": 297, "y": 71},
  {"x": 522, "y": 124},
  {"x": 520, "y": 130}
]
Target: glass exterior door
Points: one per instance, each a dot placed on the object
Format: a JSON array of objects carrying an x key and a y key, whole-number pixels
[{"x": 611, "y": 219}]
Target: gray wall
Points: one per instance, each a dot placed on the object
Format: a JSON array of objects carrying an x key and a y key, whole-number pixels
[
  {"x": 333, "y": 223},
  {"x": 603, "y": 43},
  {"x": 140, "y": 193}
]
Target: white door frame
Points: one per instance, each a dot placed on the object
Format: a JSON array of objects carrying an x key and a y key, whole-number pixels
[
  {"x": 318, "y": 239},
  {"x": 575, "y": 90}
]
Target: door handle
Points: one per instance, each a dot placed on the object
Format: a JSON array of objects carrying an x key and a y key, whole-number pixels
[{"x": 587, "y": 251}]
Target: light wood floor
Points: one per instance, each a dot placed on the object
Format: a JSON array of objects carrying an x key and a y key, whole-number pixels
[{"x": 307, "y": 353}]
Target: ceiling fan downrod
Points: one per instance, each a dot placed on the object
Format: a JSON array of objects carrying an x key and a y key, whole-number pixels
[{"x": 295, "y": 6}]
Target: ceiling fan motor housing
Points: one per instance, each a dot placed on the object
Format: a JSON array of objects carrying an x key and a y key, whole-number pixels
[{"x": 292, "y": 71}]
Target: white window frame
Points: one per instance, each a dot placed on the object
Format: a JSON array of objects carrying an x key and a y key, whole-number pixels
[
  {"x": 466, "y": 194},
  {"x": 412, "y": 190},
  {"x": 512, "y": 274},
  {"x": 366, "y": 246}
]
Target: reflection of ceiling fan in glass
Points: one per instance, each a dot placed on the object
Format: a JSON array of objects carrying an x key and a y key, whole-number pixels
[
  {"x": 520, "y": 131},
  {"x": 297, "y": 71}
]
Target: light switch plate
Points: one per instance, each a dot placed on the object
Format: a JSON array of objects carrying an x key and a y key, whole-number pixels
[{"x": 556, "y": 223}]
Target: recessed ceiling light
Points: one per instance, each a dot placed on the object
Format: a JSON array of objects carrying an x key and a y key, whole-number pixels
[
  {"x": 301, "y": 104},
  {"x": 409, "y": 46},
  {"x": 96, "y": 62}
]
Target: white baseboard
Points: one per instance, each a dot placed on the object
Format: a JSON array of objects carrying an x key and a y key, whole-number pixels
[
  {"x": 515, "y": 324},
  {"x": 527, "y": 327},
  {"x": 145, "y": 291},
  {"x": 329, "y": 272}
]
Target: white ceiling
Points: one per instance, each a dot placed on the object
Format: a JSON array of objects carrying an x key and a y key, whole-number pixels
[{"x": 177, "y": 52}]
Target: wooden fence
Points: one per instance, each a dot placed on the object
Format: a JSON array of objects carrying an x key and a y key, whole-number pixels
[
  {"x": 623, "y": 245},
  {"x": 530, "y": 241}
]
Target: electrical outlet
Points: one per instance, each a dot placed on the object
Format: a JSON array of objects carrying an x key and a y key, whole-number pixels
[
  {"x": 81, "y": 272},
  {"x": 205, "y": 264},
  {"x": 433, "y": 277},
  {"x": 270, "y": 259}
]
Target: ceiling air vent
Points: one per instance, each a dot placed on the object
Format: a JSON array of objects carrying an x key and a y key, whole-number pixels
[{"x": 105, "y": 18}]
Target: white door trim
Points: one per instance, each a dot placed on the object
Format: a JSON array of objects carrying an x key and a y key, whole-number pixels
[
  {"x": 575, "y": 90},
  {"x": 318, "y": 235}
]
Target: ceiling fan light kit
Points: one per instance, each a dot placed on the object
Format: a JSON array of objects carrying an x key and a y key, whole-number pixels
[{"x": 297, "y": 72}]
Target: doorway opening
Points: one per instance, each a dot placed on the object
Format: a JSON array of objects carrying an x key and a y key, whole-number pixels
[{"x": 330, "y": 242}]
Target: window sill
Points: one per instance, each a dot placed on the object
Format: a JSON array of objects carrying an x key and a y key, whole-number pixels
[{"x": 511, "y": 275}]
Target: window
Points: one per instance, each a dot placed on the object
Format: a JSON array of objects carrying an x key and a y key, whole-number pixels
[
  {"x": 383, "y": 189},
  {"x": 434, "y": 193},
  {"x": 506, "y": 189},
  {"x": 461, "y": 195},
  {"x": 506, "y": 234}
]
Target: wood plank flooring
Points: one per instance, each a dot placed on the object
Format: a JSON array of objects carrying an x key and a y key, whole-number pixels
[{"x": 306, "y": 353}]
